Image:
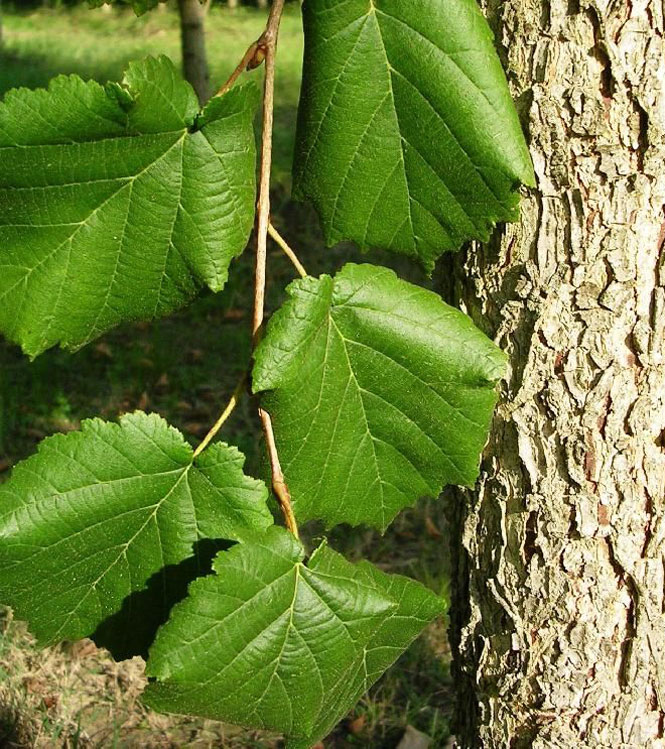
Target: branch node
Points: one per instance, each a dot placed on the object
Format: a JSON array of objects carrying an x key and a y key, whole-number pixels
[{"x": 259, "y": 56}]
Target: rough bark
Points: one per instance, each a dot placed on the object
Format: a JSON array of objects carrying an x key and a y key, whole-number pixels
[
  {"x": 558, "y": 628},
  {"x": 192, "y": 37}
]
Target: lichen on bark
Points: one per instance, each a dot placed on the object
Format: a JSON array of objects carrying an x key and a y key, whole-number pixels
[{"x": 558, "y": 626}]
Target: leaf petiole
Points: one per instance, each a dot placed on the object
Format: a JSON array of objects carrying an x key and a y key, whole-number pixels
[
  {"x": 279, "y": 486},
  {"x": 283, "y": 244},
  {"x": 233, "y": 402}
]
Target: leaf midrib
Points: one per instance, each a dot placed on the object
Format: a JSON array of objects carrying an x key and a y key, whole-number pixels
[
  {"x": 352, "y": 375},
  {"x": 473, "y": 224},
  {"x": 124, "y": 547},
  {"x": 299, "y": 579},
  {"x": 153, "y": 508},
  {"x": 123, "y": 553},
  {"x": 392, "y": 70},
  {"x": 361, "y": 391},
  {"x": 82, "y": 224},
  {"x": 128, "y": 136},
  {"x": 69, "y": 241}
]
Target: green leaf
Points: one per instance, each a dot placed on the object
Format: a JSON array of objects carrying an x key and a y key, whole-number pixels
[
  {"x": 416, "y": 607},
  {"x": 380, "y": 393},
  {"x": 118, "y": 203},
  {"x": 270, "y": 642},
  {"x": 407, "y": 136},
  {"x": 99, "y": 517}
]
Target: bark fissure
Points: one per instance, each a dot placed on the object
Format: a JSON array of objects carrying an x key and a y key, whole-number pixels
[{"x": 559, "y": 590}]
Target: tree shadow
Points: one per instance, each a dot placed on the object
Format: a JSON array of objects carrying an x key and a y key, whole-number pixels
[
  {"x": 15, "y": 730},
  {"x": 131, "y": 631}
]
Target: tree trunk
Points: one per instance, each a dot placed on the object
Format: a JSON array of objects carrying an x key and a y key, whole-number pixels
[
  {"x": 192, "y": 36},
  {"x": 558, "y": 627}
]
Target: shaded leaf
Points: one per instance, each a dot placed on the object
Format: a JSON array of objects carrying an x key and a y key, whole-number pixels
[
  {"x": 416, "y": 607},
  {"x": 380, "y": 394},
  {"x": 272, "y": 642},
  {"x": 95, "y": 515},
  {"x": 407, "y": 136},
  {"x": 117, "y": 203}
]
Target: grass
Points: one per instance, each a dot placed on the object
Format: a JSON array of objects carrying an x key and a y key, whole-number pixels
[{"x": 184, "y": 368}]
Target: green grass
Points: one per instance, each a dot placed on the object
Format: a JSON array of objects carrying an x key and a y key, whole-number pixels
[{"x": 184, "y": 368}]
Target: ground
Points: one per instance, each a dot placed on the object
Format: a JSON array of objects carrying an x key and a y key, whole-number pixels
[{"x": 184, "y": 368}]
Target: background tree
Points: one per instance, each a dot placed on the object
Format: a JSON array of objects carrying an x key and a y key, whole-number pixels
[
  {"x": 192, "y": 35},
  {"x": 558, "y": 603}
]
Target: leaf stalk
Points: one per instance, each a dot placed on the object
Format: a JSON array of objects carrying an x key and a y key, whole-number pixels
[
  {"x": 283, "y": 244},
  {"x": 233, "y": 402}
]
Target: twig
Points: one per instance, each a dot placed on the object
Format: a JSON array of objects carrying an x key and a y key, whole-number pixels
[
  {"x": 278, "y": 483},
  {"x": 233, "y": 402},
  {"x": 263, "y": 219},
  {"x": 279, "y": 239},
  {"x": 252, "y": 58},
  {"x": 269, "y": 41}
]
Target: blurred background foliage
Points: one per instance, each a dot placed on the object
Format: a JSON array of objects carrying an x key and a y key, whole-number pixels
[{"x": 185, "y": 367}]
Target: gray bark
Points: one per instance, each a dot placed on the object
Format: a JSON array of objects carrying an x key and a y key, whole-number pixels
[
  {"x": 558, "y": 597},
  {"x": 192, "y": 36}
]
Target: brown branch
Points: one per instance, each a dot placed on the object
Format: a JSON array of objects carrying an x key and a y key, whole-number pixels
[
  {"x": 278, "y": 483},
  {"x": 269, "y": 45},
  {"x": 252, "y": 58},
  {"x": 270, "y": 40}
]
